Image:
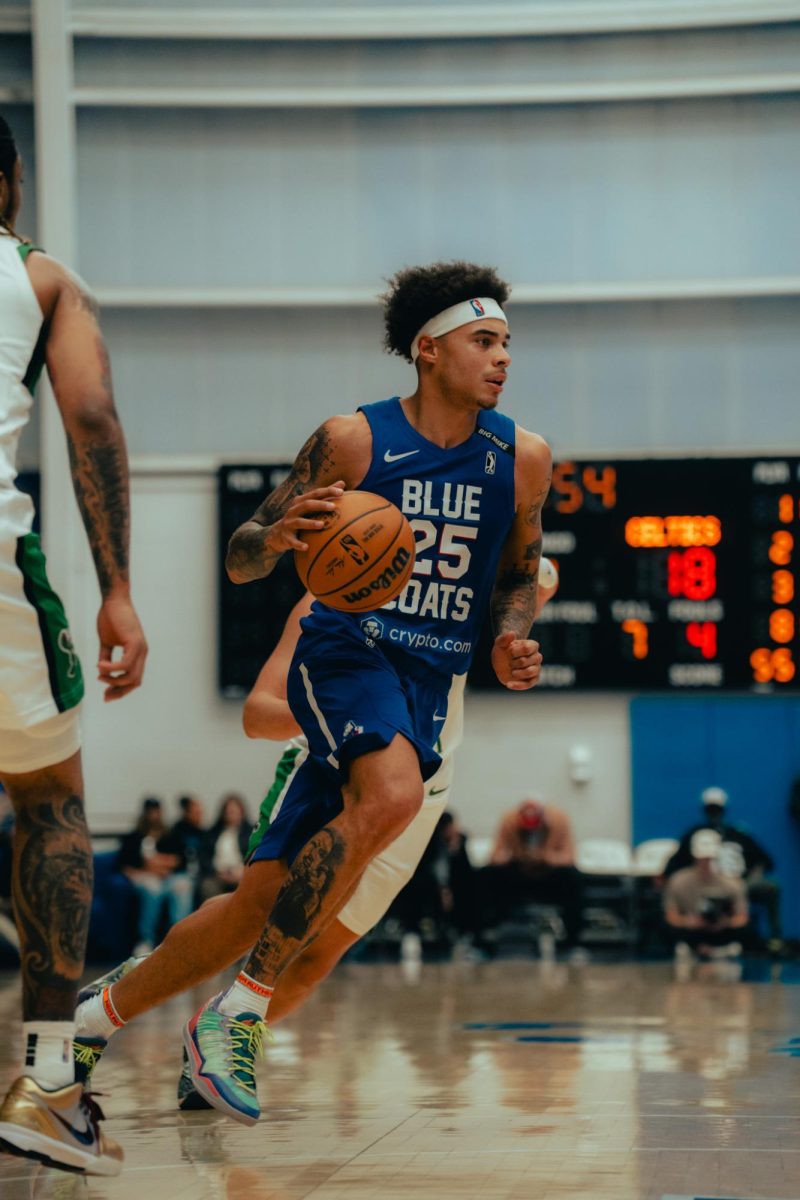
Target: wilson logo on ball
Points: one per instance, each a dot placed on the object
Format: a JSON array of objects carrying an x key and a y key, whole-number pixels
[{"x": 387, "y": 579}]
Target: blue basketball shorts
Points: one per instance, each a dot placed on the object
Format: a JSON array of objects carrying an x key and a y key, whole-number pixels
[{"x": 349, "y": 700}]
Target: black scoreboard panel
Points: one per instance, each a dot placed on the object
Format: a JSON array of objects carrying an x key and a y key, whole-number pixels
[
  {"x": 252, "y": 615},
  {"x": 675, "y": 574}
]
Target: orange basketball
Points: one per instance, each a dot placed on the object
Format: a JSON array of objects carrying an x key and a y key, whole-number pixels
[{"x": 362, "y": 558}]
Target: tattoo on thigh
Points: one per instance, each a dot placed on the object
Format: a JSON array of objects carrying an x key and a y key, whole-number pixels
[
  {"x": 52, "y": 891},
  {"x": 298, "y": 913}
]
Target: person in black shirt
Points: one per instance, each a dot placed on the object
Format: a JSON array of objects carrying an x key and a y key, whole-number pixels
[
  {"x": 157, "y": 872},
  {"x": 740, "y": 856}
]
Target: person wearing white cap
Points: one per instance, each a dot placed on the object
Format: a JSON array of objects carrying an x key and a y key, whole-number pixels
[
  {"x": 739, "y": 855},
  {"x": 704, "y": 908}
]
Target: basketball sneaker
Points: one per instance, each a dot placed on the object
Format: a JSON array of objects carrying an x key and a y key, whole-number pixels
[
  {"x": 113, "y": 976},
  {"x": 222, "y": 1054},
  {"x": 189, "y": 1099},
  {"x": 59, "y": 1128}
]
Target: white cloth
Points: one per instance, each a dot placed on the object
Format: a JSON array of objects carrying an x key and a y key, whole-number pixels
[
  {"x": 20, "y": 324},
  {"x": 227, "y": 855},
  {"x": 43, "y": 745},
  {"x": 392, "y": 869},
  {"x": 463, "y": 313}
]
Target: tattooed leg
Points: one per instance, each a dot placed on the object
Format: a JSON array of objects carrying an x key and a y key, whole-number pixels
[
  {"x": 382, "y": 796},
  {"x": 51, "y": 886}
]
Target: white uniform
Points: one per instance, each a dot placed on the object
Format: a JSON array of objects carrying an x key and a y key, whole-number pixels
[
  {"x": 391, "y": 870},
  {"x": 40, "y": 676}
]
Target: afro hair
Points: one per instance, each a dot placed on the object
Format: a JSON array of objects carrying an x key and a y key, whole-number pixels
[{"x": 418, "y": 293}]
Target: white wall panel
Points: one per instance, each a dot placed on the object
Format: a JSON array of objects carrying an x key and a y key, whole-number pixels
[
  {"x": 119, "y": 62},
  {"x": 603, "y": 193},
  {"x": 591, "y": 378}
]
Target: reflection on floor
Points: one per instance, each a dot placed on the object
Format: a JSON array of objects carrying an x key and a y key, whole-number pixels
[{"x": 511, "y": 1080}]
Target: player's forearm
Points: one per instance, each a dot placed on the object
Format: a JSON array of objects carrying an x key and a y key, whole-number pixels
[
  {"x": 248, "y": 556},
  {"x": 99, "y": 466},
  {"x": 268, "y": 717},
  {"x": 513, "y": 602}
]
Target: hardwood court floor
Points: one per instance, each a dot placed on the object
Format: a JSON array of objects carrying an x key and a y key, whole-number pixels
[{"x": 512, "y": 1080}]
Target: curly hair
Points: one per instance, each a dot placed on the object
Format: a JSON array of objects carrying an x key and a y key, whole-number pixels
[
  {"x": 418, "y": 293},
  {"x": 8, "y": 157}
]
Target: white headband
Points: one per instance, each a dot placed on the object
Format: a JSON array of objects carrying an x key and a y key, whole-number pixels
[{"x": 460, "y": 314}]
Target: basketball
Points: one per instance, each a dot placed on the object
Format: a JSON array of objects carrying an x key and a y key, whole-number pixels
[{"x": 363, "y": 557}]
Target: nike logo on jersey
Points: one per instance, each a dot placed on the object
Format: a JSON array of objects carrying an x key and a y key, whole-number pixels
[
  {"x": 436, "y": 791},
  {"x": 389, "y": 457},
  {"x": 436, "y": 717}
]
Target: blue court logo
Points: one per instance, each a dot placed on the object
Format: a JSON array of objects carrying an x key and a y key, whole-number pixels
[
  {"x": 477, "y": 308},
  {"x": 373, "y": 628}
]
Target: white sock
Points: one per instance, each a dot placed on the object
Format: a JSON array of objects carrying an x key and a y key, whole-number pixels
[
  {"x": 246, "y": 995},
  {"x": 97, "y": 1017},
  {"x": 48, "y": 1052}
]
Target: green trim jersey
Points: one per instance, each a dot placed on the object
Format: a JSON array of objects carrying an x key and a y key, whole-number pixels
[
  {"x": 40, "y": 675},
  {"x": 21, "y": 358}
]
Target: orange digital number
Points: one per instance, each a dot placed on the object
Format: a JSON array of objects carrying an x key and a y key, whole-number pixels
[
  {"x": 638, "y": 631},
  {"x": 569, "y": 492},
  {"x": 786, "y": 508},
  {"x": 781, "y": 625},
  {"x": 772, "y": 665},
  {"x": 602, "y": 483},
  {"x": 782, "y": 587},
  {"x": 781, "y": 547}
]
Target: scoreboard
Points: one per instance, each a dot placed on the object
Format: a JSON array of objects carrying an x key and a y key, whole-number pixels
[{"x": 675, "y": 574}]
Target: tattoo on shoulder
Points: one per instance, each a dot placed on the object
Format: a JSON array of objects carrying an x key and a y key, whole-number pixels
[
  {"x": 315, "y": 459},
  {"x": 81, "y": 295},
  {"x": 534, "y": 510}
]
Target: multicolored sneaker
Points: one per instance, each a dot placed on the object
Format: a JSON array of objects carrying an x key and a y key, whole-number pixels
[
  {"x": 86, "y": 1054},
  {"x": 189, "y": 1099},
  {"x": 113, "y": 976},
  {"x": 222, "y": 1058},
  {"x": 59, "y": 1128}
]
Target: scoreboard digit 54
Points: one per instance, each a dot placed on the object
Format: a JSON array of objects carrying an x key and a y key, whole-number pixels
[{"x": 675, "y": 574}]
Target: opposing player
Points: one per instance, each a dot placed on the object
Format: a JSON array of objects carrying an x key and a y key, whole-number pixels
[
  {"x": 47, "y": 317},
  {"x": 370, "y": 692}
]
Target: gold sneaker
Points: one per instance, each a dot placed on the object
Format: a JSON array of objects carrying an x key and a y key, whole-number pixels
[{"x": 59, "y": 1128}]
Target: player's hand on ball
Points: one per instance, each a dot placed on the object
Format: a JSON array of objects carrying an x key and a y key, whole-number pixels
[
  {"x": 517, "y": 662},
  {"x": 304, "y": 512}
]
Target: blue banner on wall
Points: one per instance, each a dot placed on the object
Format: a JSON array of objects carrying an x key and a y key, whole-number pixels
[{"x": 748, "y": 745}]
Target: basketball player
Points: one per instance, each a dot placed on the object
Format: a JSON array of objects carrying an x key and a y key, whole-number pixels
[
  {"x": 47, "y": 317},
  {"x": 133, "y": 987},
  {"x": 370, "y": 691}
]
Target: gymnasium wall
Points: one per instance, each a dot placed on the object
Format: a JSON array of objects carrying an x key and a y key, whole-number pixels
[{"x": 239, "y": 203}]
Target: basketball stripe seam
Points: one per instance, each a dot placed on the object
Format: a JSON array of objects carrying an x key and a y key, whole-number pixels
[{"x": 318, "y": 713}]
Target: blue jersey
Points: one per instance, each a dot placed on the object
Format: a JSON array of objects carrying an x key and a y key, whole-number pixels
[{"x": 460, "y": 503}]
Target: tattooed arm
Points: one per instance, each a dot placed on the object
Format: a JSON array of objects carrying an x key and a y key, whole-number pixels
[
  {"x": 515, "y": 657},
  {"x": 335, "y": 456},
  {"x": 80, "y": 372}
]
